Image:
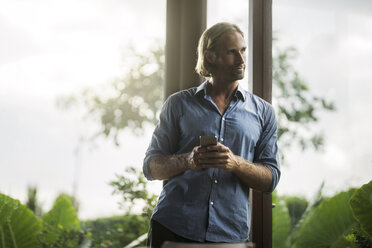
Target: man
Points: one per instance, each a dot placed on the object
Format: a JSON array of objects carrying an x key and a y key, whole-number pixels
[{"x": 206, "y": 198}]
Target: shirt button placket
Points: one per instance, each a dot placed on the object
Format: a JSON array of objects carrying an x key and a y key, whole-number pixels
[{"x": 222, "y": 128}]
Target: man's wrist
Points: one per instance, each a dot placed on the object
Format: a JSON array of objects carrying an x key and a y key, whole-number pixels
[
  {"x": 189, "y": 161},
  {"x": 237, "y": 166}
]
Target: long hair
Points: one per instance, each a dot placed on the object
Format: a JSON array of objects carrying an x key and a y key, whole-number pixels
[{"x": 208, "y": 41}]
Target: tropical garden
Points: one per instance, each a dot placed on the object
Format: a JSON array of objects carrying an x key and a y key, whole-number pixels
[{"x": 342, "y": 220}]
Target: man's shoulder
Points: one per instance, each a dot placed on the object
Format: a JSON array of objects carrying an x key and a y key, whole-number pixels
[
  {"x": 183, "y": 94},
  {"x": 177, "y": 100},
  {"x": 262, "y": 107},
  {"x": 256, "y": 99}
]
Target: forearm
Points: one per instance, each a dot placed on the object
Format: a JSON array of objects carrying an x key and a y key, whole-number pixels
[
  {"x": 165, "y": 167},
  {"x": 256, "y": 176}
]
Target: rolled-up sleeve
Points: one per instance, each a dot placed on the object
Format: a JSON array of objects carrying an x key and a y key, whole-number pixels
[
  {"x": 164, "y": 140},
  {"x": 266, "y": 152}
]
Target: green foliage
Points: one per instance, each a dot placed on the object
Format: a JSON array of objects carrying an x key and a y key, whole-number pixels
[
  {"x": 61, "y": 227},
  {"x": 32, "y": 202},
  {"x": 296, "y": 208},
  {"x": 327, "y": 224},
  {"x": 59, "y": 237},
  {"x": 116, "y": 231},
  {"x": 62, "y": 214},
  {"x": 19, "y": 227},
  {"x": 359, "y": 239},
  {"x": 132, "y": 186},
  {"x": 281, "y": 225},
  {"x": 361, "y": 206}
]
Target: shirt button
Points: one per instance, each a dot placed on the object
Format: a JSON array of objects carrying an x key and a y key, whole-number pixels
[
  {"x": 223, "y": 118},
  {"x": 212, "y": 203},
  {"x": 215, "y": 181}
]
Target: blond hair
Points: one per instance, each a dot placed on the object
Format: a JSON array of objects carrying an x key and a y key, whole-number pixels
[{"x": 208, "y": 41}]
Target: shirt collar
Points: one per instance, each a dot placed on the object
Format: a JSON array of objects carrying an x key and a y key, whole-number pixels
[
  {"x": 240, "y": 92},
  {"x": 202, "y": 88}
]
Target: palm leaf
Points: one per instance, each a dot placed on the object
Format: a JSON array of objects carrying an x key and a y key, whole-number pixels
[
  {"x": 326, "y": 225},
  {"x": 19, "y": 227},
  {"x": 361, "y": 206}
]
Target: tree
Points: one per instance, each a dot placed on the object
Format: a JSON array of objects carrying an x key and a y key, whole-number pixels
[
  {"x": 134, "y": 100},
  {"x": 296, "y": 107}
]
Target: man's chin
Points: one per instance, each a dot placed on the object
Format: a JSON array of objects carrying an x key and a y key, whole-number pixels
[{"x": 238, "y": 76}]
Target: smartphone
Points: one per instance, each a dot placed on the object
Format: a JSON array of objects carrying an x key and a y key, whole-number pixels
[{"x": 208, "y": 140}]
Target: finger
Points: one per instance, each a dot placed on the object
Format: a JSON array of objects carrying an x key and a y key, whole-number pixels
[
  {"x": 219, "y": 148},
  {"x": 212, "y": 161},
  {"x": 214, "y": 155}
]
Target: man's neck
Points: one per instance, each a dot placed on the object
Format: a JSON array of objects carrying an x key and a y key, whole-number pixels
[{"x": 223, "y": 90}]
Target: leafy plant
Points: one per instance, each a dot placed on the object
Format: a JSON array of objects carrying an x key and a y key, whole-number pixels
[
  {"x": 59, "y": 237},
  {"x": 62, "y": 214},
  {"x": 19, "y": 227},
  {"x": 116, "y": 231},
  {"x": 361, "y": 205},
  {"x": 327, "y": 224},
  {"x": 61, "y": 227},
  {"x": 296, "y": 208},
  {"x": 281, "y": 225},
  {"x": 132, "y": 186}
]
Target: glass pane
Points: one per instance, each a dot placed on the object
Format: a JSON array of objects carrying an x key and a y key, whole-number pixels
[
  {"x": 328, "y": 44},
  {"x": 51, "y": 49}
]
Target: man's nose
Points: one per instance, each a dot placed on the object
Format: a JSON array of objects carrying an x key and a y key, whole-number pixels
[{"x": 241, "y": 57}]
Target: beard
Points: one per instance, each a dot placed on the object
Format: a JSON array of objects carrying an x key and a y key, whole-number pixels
[{"x": 238, "y": 73}]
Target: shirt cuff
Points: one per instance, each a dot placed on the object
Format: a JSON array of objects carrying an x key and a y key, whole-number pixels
[
  {"x": 146, "y": 168},
  {"x": 275, "y": 178}
]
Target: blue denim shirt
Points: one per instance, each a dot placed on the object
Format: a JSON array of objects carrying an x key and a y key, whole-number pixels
[{"x": 212, "y": 204}]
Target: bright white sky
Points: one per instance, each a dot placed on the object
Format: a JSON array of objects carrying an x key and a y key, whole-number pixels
[{"x": 54, "y": 48}]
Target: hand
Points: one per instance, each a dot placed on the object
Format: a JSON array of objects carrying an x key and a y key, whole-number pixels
[
  {"x": 192, "y": 158},
  {"x": 217, "y": 156}
]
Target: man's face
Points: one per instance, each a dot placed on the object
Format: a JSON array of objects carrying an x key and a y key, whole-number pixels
[{"x": 230, "y": 61}]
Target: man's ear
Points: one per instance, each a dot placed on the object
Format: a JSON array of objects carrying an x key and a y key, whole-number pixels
[{"x": 210, "y": 56}]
